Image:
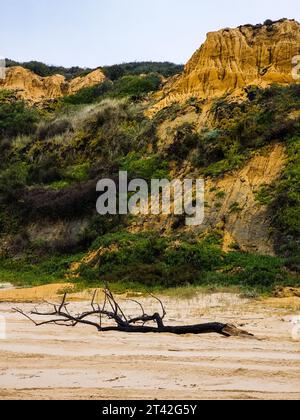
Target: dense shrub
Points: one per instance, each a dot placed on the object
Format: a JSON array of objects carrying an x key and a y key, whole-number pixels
[
  {"x": 45, "y": 70},
  {"x": 136, "y": 86},
  {"x": 113, "y": 72},
  {"x": 242, "y": 127},
  {"x": 68, "y": 203},
  {"x": 44, "y": 172},
  {"x": 184, "y": 140},
  {"x": 12, "y": 179},
  {"x": 90, "y": 94},
  {"x": 49, "y": 129},
  {"x": 133, "y": 86},
  {"x": 145, "y": 259},
  {"x": 285, "y": 202},
  {"x": 151, "y": 167},
  {"x": 165, "y": 69},
  {"x": 17, "y": 119},
  {"x": 114, "y": 129}
]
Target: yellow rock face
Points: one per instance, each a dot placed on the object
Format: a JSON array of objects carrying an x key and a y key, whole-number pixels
[
  {"x": 94, "y": 78},
  {"x": 30, "y": 86},
  {"x": 232, "y": 59}
]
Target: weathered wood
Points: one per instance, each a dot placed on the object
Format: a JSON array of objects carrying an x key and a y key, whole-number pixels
[{"x": 61, "y": 316}]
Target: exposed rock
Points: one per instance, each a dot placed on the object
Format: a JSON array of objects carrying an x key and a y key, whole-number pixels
[
  {"x": 287, "y": 292},
  {"x": 232, "y": 59},
  {"x": 94, "y": 78},
  {"x": 61, "y": 234},
  {"x": 31, "y": 87},
  {"x": 246, "y": 221}
]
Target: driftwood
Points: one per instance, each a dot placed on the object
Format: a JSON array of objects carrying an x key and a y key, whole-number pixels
[{"x": 111, "y": 310}]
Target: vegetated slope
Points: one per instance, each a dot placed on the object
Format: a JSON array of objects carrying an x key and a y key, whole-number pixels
[
  {"x": 38, "y": 82},
  {"x": 113, "y": 72},
  {"x": 246, "y": 147}
]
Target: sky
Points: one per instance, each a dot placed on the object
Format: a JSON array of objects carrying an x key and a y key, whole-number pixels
[{"x": 92, "y": 33}]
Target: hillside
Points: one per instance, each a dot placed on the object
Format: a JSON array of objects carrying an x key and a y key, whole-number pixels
[
  {"x": 39, "y": 83},
  {"x": 231, "y": 118}
]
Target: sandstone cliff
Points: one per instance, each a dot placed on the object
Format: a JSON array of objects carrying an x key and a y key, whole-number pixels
[
  {"x": 231, "y": 59},
  {"x": 232, "y": 206},
  {"x": 31, "y": 87}
]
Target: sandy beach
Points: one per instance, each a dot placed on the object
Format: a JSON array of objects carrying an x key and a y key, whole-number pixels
[{"x": 79, "y": 363}]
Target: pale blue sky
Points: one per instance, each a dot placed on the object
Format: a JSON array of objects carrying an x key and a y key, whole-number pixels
[{"x": 91, "y": 33}]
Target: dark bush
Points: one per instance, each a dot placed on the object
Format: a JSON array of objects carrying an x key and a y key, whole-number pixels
[
  {"x": 49, "y": 129},
  {"x": 90, "y": 94},
  {"x": 44, "y": 70},
  {"x": 165, "y": 69},
  {"x": 184, "y": 141},
  {"x": 136, "y": 86},
  {"x": 44, "y": 172},
  {"x": 12, "y": 180},
  {"x": 17, "y": 119},
  {"x": 68, "y": 203}
]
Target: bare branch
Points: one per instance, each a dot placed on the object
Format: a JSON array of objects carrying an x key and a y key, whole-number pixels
[
  {"x": 62, "y": 317},
  {"x": 161, "y": 304}
]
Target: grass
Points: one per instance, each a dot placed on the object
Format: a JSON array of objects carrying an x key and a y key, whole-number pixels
[
  {"x": 33, "y": 277},
  {"x": 143, "y": 262},
  {"x": 32, "y": 273},
  {"x": 116, "y": 135}
]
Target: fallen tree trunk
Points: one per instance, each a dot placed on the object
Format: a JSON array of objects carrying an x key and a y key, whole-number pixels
[
  {"x": 226, "y": 330},
  {"x": 61, "y": 316}
]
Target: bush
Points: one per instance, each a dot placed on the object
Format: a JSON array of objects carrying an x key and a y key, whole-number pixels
[
  {"x": 165, "y": 69},
  {"x": 184, "y": 140},
  {"x": 198, "y": 257},
  {"x": 49, "y": 129},
  {"x": 152, "y": 167},
  {"x": 69, "y": 203},
  {"x": 115, "y": 128},
  {"x": 17, "y": 119},
  {"x": 285, "y": 204},
  {"x": 78, "y": 173},
  {"x": 44, "y": 172},
  {"x": 12, "y": 180},
  {"x": 44, "y": 70},
  {"x": 136, "y": 86},
  {"x": 89, "y": 95}
]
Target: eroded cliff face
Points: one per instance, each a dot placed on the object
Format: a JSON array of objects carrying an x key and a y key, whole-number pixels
[
  {"x": 232, "y": 59},
  {"x": 29, "y": 86},
  {"x": 232, "y": 206},
  {"x": 244, "y": 221}
]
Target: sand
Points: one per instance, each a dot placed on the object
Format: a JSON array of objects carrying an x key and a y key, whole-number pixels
[{"x": 79, "y": 363}]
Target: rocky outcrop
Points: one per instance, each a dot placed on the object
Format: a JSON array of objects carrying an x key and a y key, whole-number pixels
[
  {"x": 245, "y": 221},
  {"x": 232, "y": 206},
  {"x": 94, "y": 78},
  {"x": 29, "y": 86},
  {"x": 232, "y": 59}
]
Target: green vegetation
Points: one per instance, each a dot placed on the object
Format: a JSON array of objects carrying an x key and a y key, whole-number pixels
[
  {"x": 283, "y": 200},
  {"x": 51, "y": 160},
  {"x": 89, "y": 95},
  {"x": 45, "y": 70},
  {"x": 113, "y": 73},
  {"x": 118, "y": 71},
  {"x": 16, "y": 119},
  {"x": 36, "y": 271},
  {"x": 150, "y": 167},
  {"x": 143, "y": 261},
  {"x": 240, "y": 129},
  {"x": 131, "y": 86}
]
